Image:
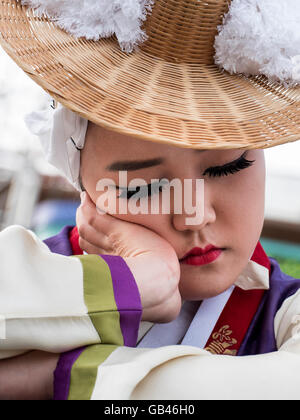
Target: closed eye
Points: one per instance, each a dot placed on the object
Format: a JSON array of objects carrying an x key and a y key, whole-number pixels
[
  {"x": 142, "y": 190},
  {"x": 229, "y": 168}
]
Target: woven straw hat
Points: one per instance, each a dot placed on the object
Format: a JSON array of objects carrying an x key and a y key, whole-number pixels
[{"x": 168, "y": 91}]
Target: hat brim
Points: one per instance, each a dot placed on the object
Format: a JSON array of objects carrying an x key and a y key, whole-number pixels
[{"x": 187, "y": 105}]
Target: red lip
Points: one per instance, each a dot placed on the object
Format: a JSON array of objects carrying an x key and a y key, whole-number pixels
[
  {"x": 199, "y": 251},
  {"x": 200, "y": 256}
]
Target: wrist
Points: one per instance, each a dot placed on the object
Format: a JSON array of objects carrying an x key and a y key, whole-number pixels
[{"x": 157, "y": 282}]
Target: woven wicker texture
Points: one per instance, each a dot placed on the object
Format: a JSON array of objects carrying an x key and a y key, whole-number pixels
[{"x": 169, "y": 91}]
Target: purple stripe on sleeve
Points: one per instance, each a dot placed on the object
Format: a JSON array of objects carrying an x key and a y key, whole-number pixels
[
  {"x": 127, "y": 298},
  {"x": 62, "y": 374}
]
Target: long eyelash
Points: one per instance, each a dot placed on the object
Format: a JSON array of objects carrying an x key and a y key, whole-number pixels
[
  {"x": 230, "y": 168},
  {"x": 128, "y": 193}
]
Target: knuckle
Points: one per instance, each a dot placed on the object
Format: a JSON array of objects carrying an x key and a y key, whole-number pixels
[
  {"x": 172, "y": 308},
  {"x": 82, "y": 232},
  {"x": 113, "y": 239},
  {"x": 91, "y": 220},
  {"x": 82, "y": 243}
]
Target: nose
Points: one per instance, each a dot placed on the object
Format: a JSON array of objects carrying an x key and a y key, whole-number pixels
[{"x": 187, "y": 221}]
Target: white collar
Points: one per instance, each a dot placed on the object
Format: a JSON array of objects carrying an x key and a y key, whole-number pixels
[{"x": 254, "y": 276}]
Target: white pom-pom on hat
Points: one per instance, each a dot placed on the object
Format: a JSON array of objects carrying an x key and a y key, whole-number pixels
[
  {"x": 258, "y": 37},
  {"x": 95, "y": 19},
  {"x": 261, "y": 37}
]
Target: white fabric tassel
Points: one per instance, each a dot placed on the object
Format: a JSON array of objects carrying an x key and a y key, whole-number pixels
[
  {"x": 261, "y": 37},
  {"x": 95, "y": 19}
]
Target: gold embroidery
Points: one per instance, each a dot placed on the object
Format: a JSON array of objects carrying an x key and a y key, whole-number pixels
[{"x": 222, "y": 340}]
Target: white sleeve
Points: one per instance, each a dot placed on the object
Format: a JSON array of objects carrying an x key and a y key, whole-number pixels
[
  {"x": 42, "y": 304},
  {"x": 287, "y": 325},
  {"x": 273, "y": 376},
  {"x": 189, "y": 373},
  {"x": 181, "y": 372},
  {"x": 268, "y": 376}
]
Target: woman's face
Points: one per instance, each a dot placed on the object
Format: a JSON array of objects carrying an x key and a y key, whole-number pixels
[{"x": 234, "y": 198}]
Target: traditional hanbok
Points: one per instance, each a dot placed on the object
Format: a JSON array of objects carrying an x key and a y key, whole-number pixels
[
  {"x": 206, "y": 75},
  {"x": 259, "y": 315},
  {"x": 88, "y": 309}
]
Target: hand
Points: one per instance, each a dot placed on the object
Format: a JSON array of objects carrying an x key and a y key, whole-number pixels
[{"x": 151, "y": 259}]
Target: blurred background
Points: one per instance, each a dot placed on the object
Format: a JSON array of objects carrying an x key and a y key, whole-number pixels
[{"x": 33, "y": 194}]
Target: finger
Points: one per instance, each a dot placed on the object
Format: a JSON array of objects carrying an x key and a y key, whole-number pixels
[
  {"x": 85, "y": 221},
  {"x": 93, "y": 237},
  {"x": 87, "y": 208},
  {"x": 88, "y": 215},
  {"x": 91, "y": 249},
  {"x": 98, "y": 219}
]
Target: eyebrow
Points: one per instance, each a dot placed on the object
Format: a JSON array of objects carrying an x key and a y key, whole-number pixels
[{"x": 134, "y": 165}]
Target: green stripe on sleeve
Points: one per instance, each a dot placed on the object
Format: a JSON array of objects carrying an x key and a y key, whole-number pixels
[
  {"x": 99, "y": 299},
  {"x": 85, "y": 370}
]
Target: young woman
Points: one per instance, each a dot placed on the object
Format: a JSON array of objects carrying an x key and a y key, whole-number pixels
[{"x": 159, "y": 312}]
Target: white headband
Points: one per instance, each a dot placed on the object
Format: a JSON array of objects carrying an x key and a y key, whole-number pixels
[{"x": 62, "y": 135}]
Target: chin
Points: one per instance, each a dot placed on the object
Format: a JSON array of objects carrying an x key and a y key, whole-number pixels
[
  {"x": 206, "y": 281},
  {"x": 194, "y": 289}
]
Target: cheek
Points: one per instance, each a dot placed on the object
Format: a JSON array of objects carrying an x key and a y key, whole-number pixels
[
  {"x": 159, "y": 223},
  {"x": 241, "y": 206}
]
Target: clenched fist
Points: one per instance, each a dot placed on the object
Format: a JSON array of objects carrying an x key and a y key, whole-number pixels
[{"x": 151, "y": 259}]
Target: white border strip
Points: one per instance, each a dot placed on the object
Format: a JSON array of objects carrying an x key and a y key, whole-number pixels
[{"x": 205, "y": 319}]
